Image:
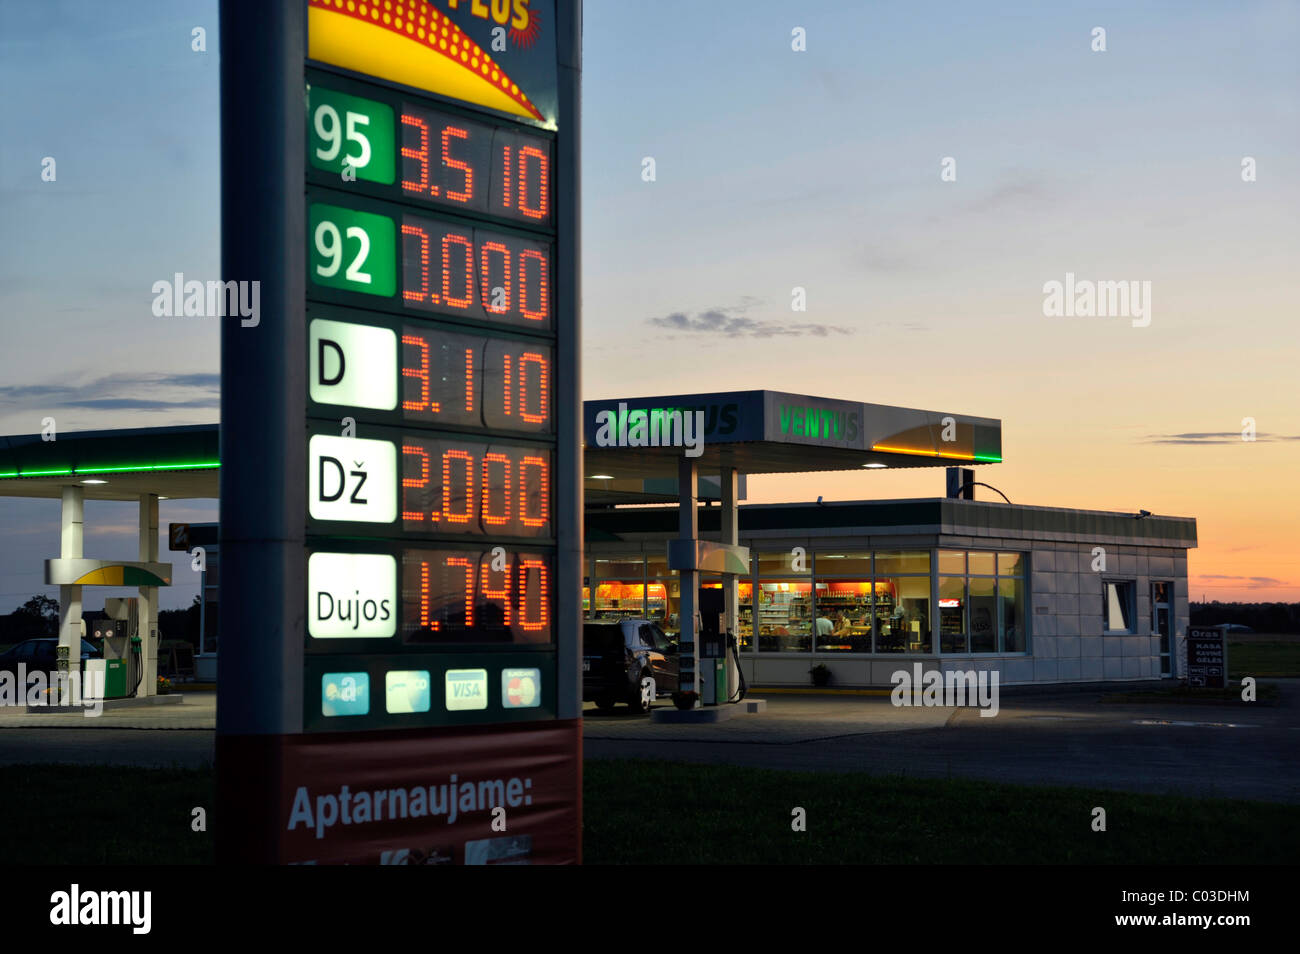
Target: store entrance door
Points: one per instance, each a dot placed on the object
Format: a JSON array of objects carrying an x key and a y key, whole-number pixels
[{"x": 1161, "y": 598}]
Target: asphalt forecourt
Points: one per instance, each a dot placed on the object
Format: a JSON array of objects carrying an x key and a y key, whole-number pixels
[
  {"x": 1062, "y": 738},
  {"x": 1123, "y": 741}
]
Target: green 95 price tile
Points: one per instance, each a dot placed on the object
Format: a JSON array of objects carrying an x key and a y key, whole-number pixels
[
  {"x": 355, "y": 251},
  {"x": 350, "y": 135}
]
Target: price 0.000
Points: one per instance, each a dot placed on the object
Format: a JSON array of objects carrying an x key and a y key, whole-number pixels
[{"x": 475, "y": 273}]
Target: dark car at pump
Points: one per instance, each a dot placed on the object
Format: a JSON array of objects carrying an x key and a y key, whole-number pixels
[{"x": 628, "y": 661}]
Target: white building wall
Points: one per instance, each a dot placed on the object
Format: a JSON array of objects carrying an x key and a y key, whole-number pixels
[{"x": 1066, "y": 607}]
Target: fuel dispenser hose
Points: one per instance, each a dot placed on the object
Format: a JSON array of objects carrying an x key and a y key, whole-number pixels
[
  {"x": 743, "y": 688},
  {"x": 139, "y": 669}
]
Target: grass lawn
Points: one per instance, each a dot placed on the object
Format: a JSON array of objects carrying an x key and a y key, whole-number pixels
[
  {"x": 98, "y": 814},
  {"x": 644, "y": 812},
  {"x": 1278, "y": 657},
  {"x": 729, "y": 815}
]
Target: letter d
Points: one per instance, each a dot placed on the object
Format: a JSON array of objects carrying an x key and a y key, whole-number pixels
[
  {"x": 320, "y": 487},
  {"x": 322, "y": 377}
]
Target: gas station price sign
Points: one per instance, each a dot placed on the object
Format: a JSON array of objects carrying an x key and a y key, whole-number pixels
[
  {"x": 401, "y": 458},
  {"x": 430, "y": 240}
]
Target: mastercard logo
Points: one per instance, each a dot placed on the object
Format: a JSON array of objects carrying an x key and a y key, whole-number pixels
[{"x": 409, "y": 42}]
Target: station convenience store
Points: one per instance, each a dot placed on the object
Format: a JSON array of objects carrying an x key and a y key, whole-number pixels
[{"x": 1039, "y": 594}]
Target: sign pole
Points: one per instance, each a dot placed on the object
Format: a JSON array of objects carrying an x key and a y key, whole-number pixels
[
  {"x": 569, "y": 483},
  {"x": 263, "y": 406}
]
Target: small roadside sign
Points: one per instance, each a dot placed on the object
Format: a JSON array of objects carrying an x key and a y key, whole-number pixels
[{"x": 1207, "y": 658}]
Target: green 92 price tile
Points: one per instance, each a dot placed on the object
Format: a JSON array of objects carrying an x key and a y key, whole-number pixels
[
  {"x": 348, "y": 132},
  {"x": 355, "y": 251}
]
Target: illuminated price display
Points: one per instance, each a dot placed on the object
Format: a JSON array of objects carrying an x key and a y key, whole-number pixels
[
  {"x": 414, "y": 153},
  {"x": 496, "y": 595},
  {"x": 451, "y": 486},
  {"x": 475, "y": 273},
  {"x": 446, "y": 268},
  {"x": 476, "y": 381},
  {"x": 451, "y": 161}
]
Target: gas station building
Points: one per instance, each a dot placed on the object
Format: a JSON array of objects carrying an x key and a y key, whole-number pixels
[{"x": 1041, "y": 595}]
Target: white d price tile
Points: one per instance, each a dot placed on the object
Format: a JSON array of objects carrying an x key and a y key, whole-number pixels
[{"x": 353, "y": 365}]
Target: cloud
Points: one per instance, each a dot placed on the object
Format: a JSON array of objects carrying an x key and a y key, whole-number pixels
[
  {"x": 884, "y": 258},
  {"x": 731, "y": 322},
  {"x": 158, "y": 391},
  {"x": 1026, "y": 189},
  {"x": 1214, "y": 437},
  {"x": 1019, "y": 189},
  {"x": 1249, "y": 581}
]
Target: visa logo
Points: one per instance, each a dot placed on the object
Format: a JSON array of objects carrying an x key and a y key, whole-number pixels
[{"x": 466, "y": 689}]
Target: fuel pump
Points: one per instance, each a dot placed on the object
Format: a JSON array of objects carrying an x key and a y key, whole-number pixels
[
  {"x": 123, "y": 667},
  {"x": 713, "y": 647}
]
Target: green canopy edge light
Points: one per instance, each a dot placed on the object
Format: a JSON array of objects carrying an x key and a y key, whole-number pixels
[{"x": 126, "y": 468}]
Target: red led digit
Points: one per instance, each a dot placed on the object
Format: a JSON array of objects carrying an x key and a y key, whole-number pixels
[
  {"x": 469, "y": 379},
  {"x": 489, "y": 292},
  {"x": 543, "y": 469},
  {"x": 505, "y": 177},
  {"x": 542, "y": 586},
  {"x": 421, "y": 373},
  {"x": 490, "y": 518},
  {"x": 409, "y": 450},
  {"x": 425, "y": 622},
  {"x": 543, "y": 169},
  {"x": 422, "y": 154},
  {"x": 449, "y": 239},
  {"x": 468, "y": 185},
  {"x": 505, "y": 387},
  {"x": 414, "y": 231},
  {"x": 468, "y": 458},
  {"x": 532, "y": 357},
  {"x": 543, "y": 301},
  {"x": 502, "y": 594},
  {"x": 469, "y": 586}
]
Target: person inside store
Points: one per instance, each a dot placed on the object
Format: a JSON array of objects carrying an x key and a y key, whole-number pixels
[{"x": 824, "y": 626}]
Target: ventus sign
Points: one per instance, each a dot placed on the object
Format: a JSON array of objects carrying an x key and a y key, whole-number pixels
[{"x": 437, "y": 357}]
